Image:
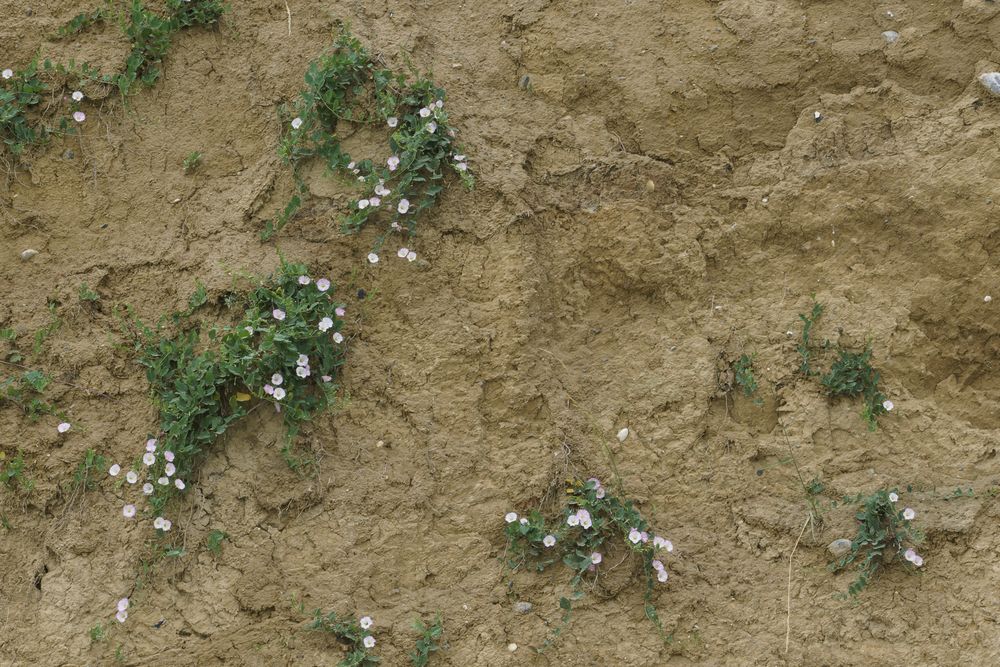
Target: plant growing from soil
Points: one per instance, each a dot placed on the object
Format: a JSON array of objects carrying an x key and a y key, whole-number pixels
[
  {"x": 592, "y": 523},
  {"x": 808, "y": 321},
  {"x": 744, "y": 376},
  {"x": 192, "y": 162},
  {"x": 88, "y": 471},
  {"x": 429, "y": 642},
  {"x": 214, "y": 541},
  {"x": 884, "y": 532},
  {"x": 26, "y": 391},
  {"x": 354, "y": 634},
  {"x": 346, "y": 89},
  {"x": 284, "y": 351},
  {"x": 12, "y": 473},
  {"x": 88, "y": 295}
]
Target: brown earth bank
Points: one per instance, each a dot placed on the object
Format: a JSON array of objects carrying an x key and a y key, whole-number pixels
[{"x": 655, "y": 197}]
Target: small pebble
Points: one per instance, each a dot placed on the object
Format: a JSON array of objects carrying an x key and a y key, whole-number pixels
[
  {"x": 817, "y": 116},
  {"x": 512, "y": 647},
  {"x": 991, "y": 81},
  {"x": 522, "y": 607},
  {"x": 987, "y": 298},
  {"x": 650, "y": 185},
  {"x": 890, "y": 36},
  {"x": 69, "y": 155},
  {"x": 622, "y": 434},
  {"x": 28, "y": 254},
  {"x": 839, "y": 547},
  {"x": 525, "y": 82}
]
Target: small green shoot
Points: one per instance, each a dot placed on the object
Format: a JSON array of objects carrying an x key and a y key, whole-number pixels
[
  {"x": 192, "y": 162},
  {"x": 88, "y": 471},
  {"x": 214, "y": 541},
  {"x": 808, "y": 321},
  {"x": 12, "y": 473},
  {"x": 429, "y": 642},
  {"x": 88, "y": 295}
]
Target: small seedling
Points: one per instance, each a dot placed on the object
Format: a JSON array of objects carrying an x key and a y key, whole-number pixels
[
  {"x": 884, "y": 533},
  {"x": 89, "y": 470},
  {"x": 808, "y": 321},
  {"x": 852, "y": 375},
  {"x": 98, "y": 634},
  {"x": 214, "y": 541},
  {"x": 26, "y": 392},
  {"x": 12, "y": 473},
  {"x": 744, "y": 375},
  {"x": 192, "y": 162},
  {"x": 429, "y": 642},
  {"x": 592, "y": 522},
  {"x": 88, "y": 295}
]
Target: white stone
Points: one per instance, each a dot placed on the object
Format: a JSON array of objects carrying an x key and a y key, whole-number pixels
[
  {"x": 839, "y": 547},
  {"x": 991, "y": 81},
  {"x": 622, "y": 434},
  {"x": 28, "y": 254},
  {"x": 890, "y": 36}
]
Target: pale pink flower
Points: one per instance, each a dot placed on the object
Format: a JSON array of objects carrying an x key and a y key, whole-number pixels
[
  {"x": 524, "y": 521},
  {"x": 128, "y": 511},
  {"x": 147, "y": 489},
  {"x": 340, "y": 311},
  {"x": 392, "y": 121},
  {"x": 278, "y": 314},
  {"x": 65, "y": 426},
  {"x": 249, "y": 330},
  {"x": 276, "y": 379},
  {"x": 634, "y": 536},
  {"x": 645, "y": 536},
  {"x": 404, "y": 205},
  {"x": 661, "y": 543},
  {"x": 362, "y": 204},
  {"x": 165, "y": 526},
  {"x": 600, "y": 493},
  {"x": 296, "y": 123},
  {"x": 327, "y": 378},
  {"x": 302, "y": 371},
  {"x": 169, "y": 469},
  {"x": 7, "y": 73},
  {"x": 350, "y": 165},
  {"x": 549, "y": 540},
  {"x": 657, "y": 565},
  {"x": 163, "y": 481},
  {"x": 338, "y": 337},
  {"x": 304, "y": 280},
  {"x": 392, "y": 163},
  {"x": 79, "y": 116},
  {"x": 369, "y": 641},
  {"x": 510, "y": 517},
  {"x": 908, "y": 514},
  {"x": 439, "y": 104},
  {"x": 910, "y": 555},
  {"x": 459, "y": 158},
  {"x": 132, "y": 477},
  {"x": 179, "y": 483},
  {"x": 279, "y": 393},
  {"x": 168, "y": 455},
  {"x": 425, "y": 112},
  {"x": 158, "y": 522},
  {"x": 401, "y": 253},
  {"x": 123, "y": 604},
  {"x": 431, "y": 126},
  {"x": 302, "y": 360},
  {"x": 114, "y": 470},
  {"x": 121, "y": 616},
  {"x": 374, "y": 201},
  {"x": 322, "y": 284},
  {"x": 893, "y": 496},
  {"x": 151, "y": 445},
  {"x": 366, "y": 622},
  {"x": 596, "y": 558},
  {"x": 325, "y": 324},
  {"x": 149, "y": 458},
  {"x": 462, "y": 166},
  {"x": 585, "y": 520},
  {"x": 662, "y": 576},
  {"x": 918, "y": 561},
  {"x": 77, "y": 96},
  {"x": 372, "y": 258},
  {"x": 411, "y": 256},
  {"x": 269, "y": 390},
  {"x": 573, "y": 520}
]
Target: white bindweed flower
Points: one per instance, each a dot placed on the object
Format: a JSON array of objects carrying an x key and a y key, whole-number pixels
[
  {"x": 278, "y": 314},
  {"x": 431, "y": 126},
  {"x": 77, "y": 96},
  {"x": 411, "y": 256},
  {"x": 151, "y": 445},
  {"x": 657, "y": 565},
  {"x": 987, "y": 298},
  {"x": 392, "y": 121},
  {"x": 585, "y": 520},
  {"x": 634, "y": 536},
  {"x": 404, "y": 205},
  {"x": 596, "y": 558},
  {"x": 918, "y": 561},
  {"x": 381, "y": 190},
  {"x": 163, "y": 481},
  {"x": 169, "y": 469},
  {"x": 165, "y": 526},
  {"x": 462, "y": 166},
  {"x": 7, "y": 73},
  {"x": 279, "y": 393},
  {"x": 114, "y": 470},
  {"x": 132, "y": 477},
  {"x": 123, "y": 604},
  {"x": 549, "y": 540},
  {"x": 392, "y": 163},
  {"x": 374, "y": 202},
  {"x": 573, "y": 520},
  {"x": 350, "y": 165},
  {"x": 276, "y": 379},
  {"x": 372, "y": 258},
  {"x": 524, "y": 521},
  {"x": 910, "y": 555},
  {"x": 147, "y": 489},
  {"x": 65, "y": 426},
  {"x": 362, "y": 204},
  {"x": 662, "y": 576},
  {"x": 661, "y": 543},
  {"x": 325, "y": 324},
  {"x": 425, "y": 112},
  {"x": 304, "y": 280},
  {"x": 340, "y": 311},
  {"x": 322, "y": 284},
  {"x": 366, "y": 622},
  {"x": 338, "y": 337},
  {"x": 303, "y": 360},
  {"x": 121, "y": 616},
  {"x": 459, "y": 158},
  {"x": 439, "y": 104},
  {"x": 296, "y": 123},
  {"x": 510, "y": 517},
  {"x": 179, "y": 484},
  {"x": 369, "y": 641},
  {"x": 401, "y": 253},
  {"x": 128, "y": 511},
  {"x": 600, "y": 493},
  {"x": 302, "y": 371},
  {"x": 908, "y": 514},
  {"x": 888, "y": 405},
  {"x": 269, "y": 390},
  {"x": 327, "y": 378},
  {"x": 158, "y": 522},
  {"x": 149, "y": 458},
  {"x": 79, "y": 116},
  {"x": 893, "y": 496},
  {"x": 168, "y": 455}
]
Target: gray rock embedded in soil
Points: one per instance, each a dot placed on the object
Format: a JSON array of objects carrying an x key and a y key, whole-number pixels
[
  {"x": 991, "y": 81},
  {"x": 839, "y": 547},
  {"x": 890, "y": 36},
  {"x": 28, "y": 254},
  {"x": 522, "y": 607}
]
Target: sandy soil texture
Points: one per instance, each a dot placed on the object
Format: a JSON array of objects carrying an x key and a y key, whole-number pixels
[{"x": 656, "y": 196}]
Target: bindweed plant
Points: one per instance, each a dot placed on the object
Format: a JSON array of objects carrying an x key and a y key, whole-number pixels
[
  {"x": 591, "y": 523},
  {"x": 884, "y": 532},
  {"x": 354, "y": 634},
  {"x": 284, "y": 351},
  {"x": 346, "y": 89},
  {"x": 23, "y": 91},
  {"x": 743, "y": 375},
  {"x": 26, "y": 392},
  {"x": 88, "y": 472},
  {"x": 12, "y": 473},
  {"x": 429, "y": 642},
  {"x": 850, "y": 375}
]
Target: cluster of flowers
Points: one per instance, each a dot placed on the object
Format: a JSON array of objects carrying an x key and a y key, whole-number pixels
[
  {"x": 909, "y": 514},
  {"x": 122, "y": 610},
  {"x": 149, "y": 459}
]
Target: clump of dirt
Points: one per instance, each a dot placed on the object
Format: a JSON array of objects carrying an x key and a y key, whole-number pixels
[{"x": 658, "y": 187}]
